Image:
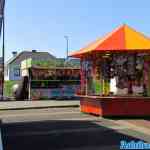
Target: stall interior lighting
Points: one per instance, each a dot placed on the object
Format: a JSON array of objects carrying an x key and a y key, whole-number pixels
[{"x": 107, "y": 54}]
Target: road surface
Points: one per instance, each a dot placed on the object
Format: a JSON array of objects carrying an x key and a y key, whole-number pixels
[{"x": 66, "y": 129}]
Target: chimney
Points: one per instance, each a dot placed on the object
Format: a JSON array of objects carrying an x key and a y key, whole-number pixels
[
  {"x": 34, "y": 51},
  {"x": 14, "y": 53}
]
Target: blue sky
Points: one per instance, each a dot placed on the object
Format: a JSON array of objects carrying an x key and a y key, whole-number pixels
[{"x": 42, "y": 24}]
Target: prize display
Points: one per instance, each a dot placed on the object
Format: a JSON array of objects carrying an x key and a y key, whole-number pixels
[
  {"x": 86, "y": 76},
  {"x": 1, "y": 82},
  {"x": 48, "y": 83},
  {"x": 127, "y": 74},
  {"x": 97, "y": 81},
  {"x": 146, "y": 79}
]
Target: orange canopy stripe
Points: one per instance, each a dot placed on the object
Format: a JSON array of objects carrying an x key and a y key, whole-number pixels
[{"x": 123, "y": 38}]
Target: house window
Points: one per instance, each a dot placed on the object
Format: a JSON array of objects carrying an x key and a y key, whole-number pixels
[{"x": 16, "y": 72}]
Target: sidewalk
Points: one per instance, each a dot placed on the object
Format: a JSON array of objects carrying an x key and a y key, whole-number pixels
[{"x": 14, "y": 105}]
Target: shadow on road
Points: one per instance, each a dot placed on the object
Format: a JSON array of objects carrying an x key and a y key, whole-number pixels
[{"x": 59, "y": 134}]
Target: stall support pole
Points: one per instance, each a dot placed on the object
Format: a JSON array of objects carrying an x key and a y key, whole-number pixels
[{"x": 29, "y": 94}]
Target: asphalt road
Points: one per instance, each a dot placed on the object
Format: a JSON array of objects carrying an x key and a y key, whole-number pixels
[{"x": 63, "y": 128}]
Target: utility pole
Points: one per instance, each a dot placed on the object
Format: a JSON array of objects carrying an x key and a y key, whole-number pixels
[
  {"x": 2, "y": 4},
  {"x": 3, "y": 55}
]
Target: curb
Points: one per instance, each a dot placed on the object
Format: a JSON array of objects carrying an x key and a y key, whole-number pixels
[{"x": 40, "y": 107}]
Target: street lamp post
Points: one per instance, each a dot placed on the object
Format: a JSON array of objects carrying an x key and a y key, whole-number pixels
[{"x": 67, "y": 46}]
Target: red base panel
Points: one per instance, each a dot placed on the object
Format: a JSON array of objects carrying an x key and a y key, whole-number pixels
[{"x": 115, "y": 106}]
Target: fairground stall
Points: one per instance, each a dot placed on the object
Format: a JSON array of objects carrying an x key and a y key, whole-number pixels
[
  {"x": 115, "y": 74},
  {"x": 1, "y": 80},
  {"x": 47, "y": 81}
]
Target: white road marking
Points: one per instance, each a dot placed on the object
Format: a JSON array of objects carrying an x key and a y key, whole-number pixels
[{"x": 1, "y": 145}]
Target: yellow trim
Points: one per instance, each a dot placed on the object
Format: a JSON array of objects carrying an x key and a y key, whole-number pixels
[{"x": 136, "y": 40}]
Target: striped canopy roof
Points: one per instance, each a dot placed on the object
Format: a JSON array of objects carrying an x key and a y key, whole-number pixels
[{"x": 123, "y": 38}]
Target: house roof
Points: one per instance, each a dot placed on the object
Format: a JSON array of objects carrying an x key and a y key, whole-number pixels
[
  {"x": 30, "y": 53},
  {"x": 123, "y": 38},
  {"x": 72, "y": 62}
]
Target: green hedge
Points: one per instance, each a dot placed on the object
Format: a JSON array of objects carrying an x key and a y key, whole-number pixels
[{"x": 8, "y": 87}]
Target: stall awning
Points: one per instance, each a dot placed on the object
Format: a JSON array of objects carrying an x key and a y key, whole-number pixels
[{"x": 123, "y": 38}]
